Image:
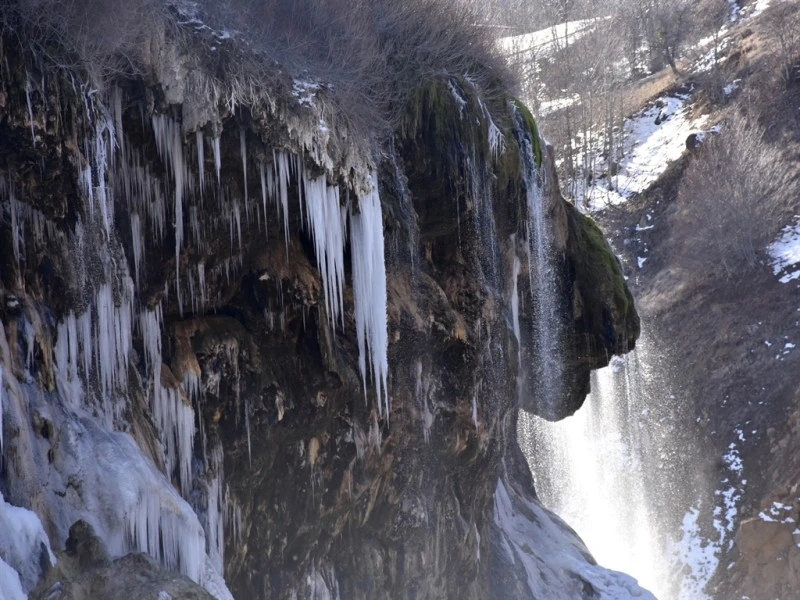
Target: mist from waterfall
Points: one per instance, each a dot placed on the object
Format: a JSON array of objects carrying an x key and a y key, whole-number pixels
[{"x": 595, "y": 470}]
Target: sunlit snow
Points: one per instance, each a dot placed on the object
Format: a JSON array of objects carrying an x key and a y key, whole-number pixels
[{"x": 785, "y": 253}]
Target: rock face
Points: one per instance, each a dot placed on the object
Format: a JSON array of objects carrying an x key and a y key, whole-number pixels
[{"x": 181, "y": 368}]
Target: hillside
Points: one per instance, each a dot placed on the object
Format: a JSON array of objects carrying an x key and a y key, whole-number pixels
[{"x": 717, "y": 371}]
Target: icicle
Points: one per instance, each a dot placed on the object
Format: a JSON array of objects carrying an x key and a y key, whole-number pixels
[
  {"x": 85, "y": 330},
  {"x": 67, "y": 357},
  {"x": 176, "y": 422},
  {"x": 30, "y": 107},
  {"x": 201, "y": 277},
  {"x": 243, "y": 151},
  {"x": 117, "y": 100},
  {"x": 326, "y": 222},
  {"x": 369, "y": 291},
  {"x": 150, "y": 325},
  {"x": 515, "y": 302},
  {"x": 282, "y": 177},
  {"x": 169, "y": 143},
  {"x": 164, "y": 535},
  {"x": 261, "y": 172},
  {"x": 247, "y": 428},
  {"x": 215, "y": 512},
  {"x": 201, "y": 166},
  {"x": 138, "y": 245},
  {"x": 217, "y": 157}
]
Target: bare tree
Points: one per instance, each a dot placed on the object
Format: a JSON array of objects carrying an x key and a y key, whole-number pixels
[
  {"x": 783, "y": 25},
  {"x": 736, "y": 192}
]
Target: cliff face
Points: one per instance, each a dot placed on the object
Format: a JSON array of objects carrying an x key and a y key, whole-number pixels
[{"x": 236, "y": 340}]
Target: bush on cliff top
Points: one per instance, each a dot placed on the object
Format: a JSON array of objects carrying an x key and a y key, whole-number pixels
[{"x": 371, "y": 53}]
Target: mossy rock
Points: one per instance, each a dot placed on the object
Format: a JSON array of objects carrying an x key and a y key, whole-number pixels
[
  {"x": 599, "y": 281},
  {"x": 533, "y": 129}
]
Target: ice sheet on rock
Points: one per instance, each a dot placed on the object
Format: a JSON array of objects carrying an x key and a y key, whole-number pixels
[
  {"x": 1, "y": 413},
  {"x": 369, "y": 292},
  {"x": 785, "y": 253},
  {"x": 24, "y": 545},
  {"x": 10, "y": 585},
  {"x": 558, "y": 563}
]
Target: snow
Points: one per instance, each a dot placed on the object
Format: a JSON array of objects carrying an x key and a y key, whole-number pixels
[
  {"x": 649, "y": 148},
  {"x": 785, "y": 253},
  {"x": 305, "y": 91},
  {"x": 557, "y": 561},
  {"x": 369, "y": 292},
  {"x": 23, "y": 543},
  {"x": 545, "y": 42},
  {"x": 697, "y": 558},
  {"x": 760, "y": 7}
]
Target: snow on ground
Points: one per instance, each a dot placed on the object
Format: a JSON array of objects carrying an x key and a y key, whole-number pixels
[
  {"x": 652, "y": 140},
  {"x": 545, "y": 41},
  {"x": 785, "y": 253},
  {"x": 760, "y": 7},
  {"x": 696, "y": 555}
]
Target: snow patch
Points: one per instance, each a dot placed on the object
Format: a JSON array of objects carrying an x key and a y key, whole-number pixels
[
  {"x": 785, "y": 253},
  {"x": 653, "y": 139}
]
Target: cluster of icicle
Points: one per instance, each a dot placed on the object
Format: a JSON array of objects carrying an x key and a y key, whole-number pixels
[{"x": 94, "y": 345}]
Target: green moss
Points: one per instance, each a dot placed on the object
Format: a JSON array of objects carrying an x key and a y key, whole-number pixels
[
  {"x": 533, "y": 129},
  {"x": 596, "y": 264}
]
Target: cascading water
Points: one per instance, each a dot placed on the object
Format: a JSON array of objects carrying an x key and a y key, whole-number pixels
[
  {"x": 587, "y": 468},
  {"x": 594, "y": 470}
]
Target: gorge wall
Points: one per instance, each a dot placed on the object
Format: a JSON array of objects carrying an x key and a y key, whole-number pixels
[{"x": 239, "y": 340}]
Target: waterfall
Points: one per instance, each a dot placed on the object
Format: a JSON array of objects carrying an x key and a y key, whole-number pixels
[
  {"x": 590, "y": 468},
  {"x": 595, "y": 469}
]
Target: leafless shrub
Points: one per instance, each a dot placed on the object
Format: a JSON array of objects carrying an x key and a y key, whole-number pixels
[
  {"x": 736, "y": 193},
  {"x": 105, "y": 38},
  {"x": 370, "y": 53},
  {"x": 783, "y": 26}
]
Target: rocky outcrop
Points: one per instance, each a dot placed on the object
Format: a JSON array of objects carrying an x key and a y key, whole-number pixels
[{"x": 181, "y": 364}]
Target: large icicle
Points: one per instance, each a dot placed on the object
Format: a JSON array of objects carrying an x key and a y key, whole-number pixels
[
  {"x": 169, "y": 142},
  {"x": 326, "y": 220},
  {"x": 281, "y": 164},
  {"x": 243, "y": 151},
  {"x": 201, "y": 168},
  {"x": 175, "y": 419},
  {"x": 369, "y": 291}
]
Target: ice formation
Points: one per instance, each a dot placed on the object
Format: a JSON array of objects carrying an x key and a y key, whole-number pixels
[
  {"x": 24, "y": 545},
  {"x": 10, "y": 585},
  {"x": 556, "y": 565},
  {"x": 369, "y": 292},
  {"x": 133, "y": 505},
  {"x": 327, "y": 224}
]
